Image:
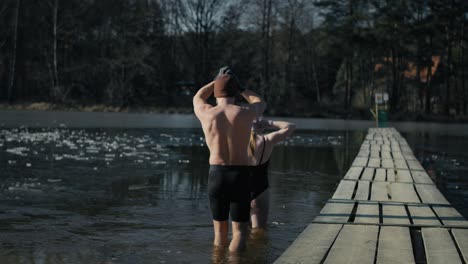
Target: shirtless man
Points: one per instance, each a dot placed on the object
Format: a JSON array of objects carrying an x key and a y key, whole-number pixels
[{"x": 227, "y": 131}]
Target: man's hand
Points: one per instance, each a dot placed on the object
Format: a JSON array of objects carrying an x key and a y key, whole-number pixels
[
  {"x": 223, "y": 70},
  {"x": 228, "y": 71}
]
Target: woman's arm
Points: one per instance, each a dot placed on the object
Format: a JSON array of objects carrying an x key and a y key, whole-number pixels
[{"x": 285, "y": 129}]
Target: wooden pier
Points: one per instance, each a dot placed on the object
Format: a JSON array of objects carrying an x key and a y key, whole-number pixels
[{"x": 386, "y": 209}]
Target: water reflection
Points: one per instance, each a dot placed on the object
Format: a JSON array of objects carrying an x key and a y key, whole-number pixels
[
  {"x": 139, "y": 195},
  {"x": 446, "y": 161}
]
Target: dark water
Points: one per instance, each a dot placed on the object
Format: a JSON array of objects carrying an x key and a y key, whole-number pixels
[{"x": 139, "y": 195}]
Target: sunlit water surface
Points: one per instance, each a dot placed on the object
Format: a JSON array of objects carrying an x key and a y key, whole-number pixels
[{"x": 140, "y": 195}]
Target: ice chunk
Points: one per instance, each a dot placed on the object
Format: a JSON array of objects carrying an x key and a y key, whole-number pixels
[{"x": 18, "y": 151}]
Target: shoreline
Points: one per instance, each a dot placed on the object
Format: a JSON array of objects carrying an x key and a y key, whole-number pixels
[
  {"x": 316, "y": 114},
  {"x": 133, "y": 120}
]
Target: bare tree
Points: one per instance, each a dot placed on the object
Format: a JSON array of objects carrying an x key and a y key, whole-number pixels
[
  {"x": 56, "y": 90},
  {"x": 3, "y": 9},
  {"x": 11, "y": 78},
  {"x": 198, "y": 18},
  {"x": 266, "y": 15}
]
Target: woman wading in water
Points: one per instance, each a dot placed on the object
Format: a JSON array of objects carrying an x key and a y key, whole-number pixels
[{"x": 260, "y": 149}]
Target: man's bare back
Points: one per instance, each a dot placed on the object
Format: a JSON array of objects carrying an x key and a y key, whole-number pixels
[{"x": 227, "y": 132}]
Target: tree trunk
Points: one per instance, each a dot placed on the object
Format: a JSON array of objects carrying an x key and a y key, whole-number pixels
[
  {"x": 346, "y": 83},
  {"x": 350, "y": 81},
  {"x": 461, "y": 99},
  {"x": 448, "y": 69},
  {"x": 463, "y": 65},
  {"x": 372, "y": 76},
  {"x": 11, "y": 79},
  {"x": 428, "y": 104},
  {"x": 394, "y": 62},
  {"x": 314, "y": 72},
  {"x": 55, "y": 78},
  {"x": 266, "y": 24}
]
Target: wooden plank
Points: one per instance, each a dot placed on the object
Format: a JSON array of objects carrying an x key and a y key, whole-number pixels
[
  {"x": 353, "y": 173},
  {"x": 397, "y": 155},
  {"x": 403, "y": 192},
  {"x": 387, "y": 163},
  {"x": 360, "y": 162},
  {"x": 354, "y": 244},
  {"x": 364, "y": 153},
  {"x": 311, "y": 245},
  {"x": 367, "y": 213},
  {"x": 374, "y": 162},
  {"x": 375, "y": 147},
  {"x": 394, "y": 214},
  {"x": 379, "y": 191},
  {"x": 439, "y": 246},
  {"x": 375, "y": 154},
  {"x": 450, "y": 216},
  {"x": 414, "y": 165},
  {"x": 404, "y": 176},
  {"x": 430, "y": 195},
  {"x": 405, "y": 148},
  {"x": 391, "y": 175},
  {"x": 386, "y": 154},
  {"x": 335, "y": 212},
  {"x": 365, "y": 147},
  {"x": 368, "y": 174},
  {"x": 395, "y": 245},
  {"x": 362, "y": 192},
  {"x": 344, "y": 190},
  {"x": 461, "y": 238},
  {"x": 380, "y": 175},
  {"x": 423, "y": 215},
  {"x": 409, "y": 156},
  {"x": 421, "y": 177},
  {"x": 385, "y": 147},
  {"x": 401, "y": 164}
]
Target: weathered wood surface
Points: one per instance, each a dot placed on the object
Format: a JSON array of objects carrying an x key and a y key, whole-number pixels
[
  {"x": 430, "y": 195},
  {"x": 353, "y": 173},
  {"x": 367, "y": 213},
  {"x": 384, "y": 193},
  {"x": 461, "y": 238},
  {"x": 394, "y": 214},
  {"x": 423, "y": 215},
  {"x": 335, "y": 212},
  {"x": 362, "y": 192},
  {"x": 354, "y": 244},
  {"x": 395, "y": 245},
  {"x": 311, "y": 245},
  {"x": 345, "y": 190},
  {"x": 439, "y": 246}
]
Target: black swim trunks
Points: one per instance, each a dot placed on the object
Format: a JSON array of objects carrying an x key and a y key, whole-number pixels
[{"x": 229, "y": 192}]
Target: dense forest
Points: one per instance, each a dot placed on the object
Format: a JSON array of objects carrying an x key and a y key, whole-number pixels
[{"x": 305, "y": 57}]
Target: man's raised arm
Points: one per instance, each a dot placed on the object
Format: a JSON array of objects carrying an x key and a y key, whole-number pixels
[
  {"x": 255, "y": 100},
  {"x": 200, "y": 98}
]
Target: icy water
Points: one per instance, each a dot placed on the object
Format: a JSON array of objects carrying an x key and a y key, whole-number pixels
[{"x": 123, "y": 195}]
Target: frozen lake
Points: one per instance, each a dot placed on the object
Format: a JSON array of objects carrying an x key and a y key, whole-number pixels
[{"x": 130, "y": 188}]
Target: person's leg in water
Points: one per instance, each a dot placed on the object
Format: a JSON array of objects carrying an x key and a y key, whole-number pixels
[
  {"x": 239, "y": 236},
  {"x": 229, "y": 194},
  {"x": 240, "y": 214},
  {"x": 259, "y": 208},
  {"x": 221, "y": 229},
  {"x": 219, "y": 205}
]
